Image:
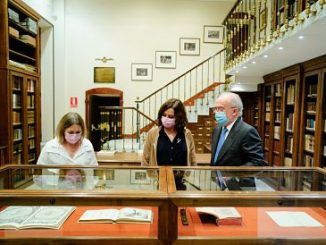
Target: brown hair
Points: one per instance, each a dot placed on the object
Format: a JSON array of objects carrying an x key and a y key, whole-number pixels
[
  {"x": 179, "y": 113},
  {"x": 71, "y": 118}
]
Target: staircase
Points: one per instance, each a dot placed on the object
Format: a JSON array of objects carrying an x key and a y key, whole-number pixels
[{"x": 198, "y": 88}]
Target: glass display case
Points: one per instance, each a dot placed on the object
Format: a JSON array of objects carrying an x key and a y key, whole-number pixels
[
  {"x": 270, "y": 205},
  {"x": 84, "y": 189},
  {"x": 171, "y": 194}
]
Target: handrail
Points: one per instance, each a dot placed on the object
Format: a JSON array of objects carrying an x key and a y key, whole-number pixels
[{"x": 176, "y": 79}]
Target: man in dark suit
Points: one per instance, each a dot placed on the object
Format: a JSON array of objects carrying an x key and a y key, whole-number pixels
[{"x": 234, "y": 142}]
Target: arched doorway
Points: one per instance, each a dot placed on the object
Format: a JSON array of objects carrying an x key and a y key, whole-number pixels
[{"x": 96, "y": 98}]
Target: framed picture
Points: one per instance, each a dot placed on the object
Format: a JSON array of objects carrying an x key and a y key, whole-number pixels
[
  {"x": 262, "y": 19},
  {"x": 166, "y": 59},
  {"x": 104, "y": 75},
  {"x": 139, "y": 177},
  {"x": 189, "y": 46},
  {"x": 141, "y": 72},
  {"x": 213, "y": 34}
]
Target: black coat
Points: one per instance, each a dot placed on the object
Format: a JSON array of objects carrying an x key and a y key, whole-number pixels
[{"x": 243, "y": 146}]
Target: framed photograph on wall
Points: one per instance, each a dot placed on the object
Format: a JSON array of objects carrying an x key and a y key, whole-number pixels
[
  {"x": 213, "y": 34},
  {"x": 104, "y": 75},
  {"x": 141, "y": 72},
  {"x": 189, "y": 46},
  {"x": 139, "y": 177},
  {"x": 166, "y": 59}
]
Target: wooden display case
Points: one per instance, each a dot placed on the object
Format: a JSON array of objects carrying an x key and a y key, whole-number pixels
[
  {"x": 101, "y": 187},
  {"x": 276, "y": 189},
  {"x": 20, "y": 95}
]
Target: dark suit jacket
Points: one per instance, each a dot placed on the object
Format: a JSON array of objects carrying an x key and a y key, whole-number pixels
[{"x": 243, "y": 146}]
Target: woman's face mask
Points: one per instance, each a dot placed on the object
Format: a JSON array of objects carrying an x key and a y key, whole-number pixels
[
  {"x": 72, "y": 138},
  {"x": 168, "y": 122},
  {"x": 221, "y": 119}
]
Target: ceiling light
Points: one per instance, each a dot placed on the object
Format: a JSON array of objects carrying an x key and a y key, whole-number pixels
[
  {"x": 254, "y": 62},
  {"x": 280, "y": 48},
  {"x": 301, "y": 37},
  {"x": 265, "y": 56},
  {"x": 236, "y": 71},
  {"x": 244, "y": 67}
]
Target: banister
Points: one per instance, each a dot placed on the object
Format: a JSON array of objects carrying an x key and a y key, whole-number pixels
[{"x": 187, "y": 72}]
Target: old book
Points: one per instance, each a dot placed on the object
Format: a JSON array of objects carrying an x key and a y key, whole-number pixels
[
  {"x": 27, "y": 217},
  {"x": 220, "y": 215},
  {"x": 124, "y": 215}
]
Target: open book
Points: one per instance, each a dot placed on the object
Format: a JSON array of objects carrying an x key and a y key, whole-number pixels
[
  {"x": 124, "y": 215},
  {"x": 25, "y": 217},
  {"x": 221, "y": 215}
]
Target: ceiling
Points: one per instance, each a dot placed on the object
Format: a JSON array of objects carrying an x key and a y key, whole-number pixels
[{"x": 306, "y": 41}]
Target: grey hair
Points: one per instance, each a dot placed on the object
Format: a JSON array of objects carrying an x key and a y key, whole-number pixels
[{"x": 235, "y": 100}]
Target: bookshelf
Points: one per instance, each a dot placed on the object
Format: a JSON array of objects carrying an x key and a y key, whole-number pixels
[
  {"x": 290, "y": 116},
  {"x": 312, "y": 134},
  {"x": 20, "y": 82}
]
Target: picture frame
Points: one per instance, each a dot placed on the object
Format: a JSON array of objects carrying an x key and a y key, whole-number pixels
[
  {"x": 262, "y": 19},
  {"x": 166, "y": 59},
  {"x": 213, "y": 34},
  {"x": 141, "y": 72},
  {"x": 139, "y": 177},
  {"x": 104, "y": 74},
  {"x": 189, "y": 46}
]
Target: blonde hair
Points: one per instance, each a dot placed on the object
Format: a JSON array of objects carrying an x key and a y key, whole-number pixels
[{"x": 71, "y": 118}]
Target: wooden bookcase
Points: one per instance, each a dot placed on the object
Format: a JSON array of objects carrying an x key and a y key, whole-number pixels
[
  {"x": 271, "y": 123},
  {"x": 20, "y": 82},
  {"x": 312, "y": 134},
  {"x": 297, "y": 96}
]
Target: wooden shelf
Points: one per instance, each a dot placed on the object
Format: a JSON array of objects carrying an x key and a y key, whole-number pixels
[{"x": 19, "y": 76}]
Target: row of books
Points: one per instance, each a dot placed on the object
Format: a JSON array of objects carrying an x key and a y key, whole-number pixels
[
  {"x": 277, "y": 91},
  {"x": 267, "y": 106},
  {"x": 290, "y": 92},
  {"x": 278, "y": 104},
  {"x": 311, "y": 106},
  {"x": 17, "y": 134},
  {"x": 289, "y": 122},
  {"x": 308, "y": 161},
  {"x": 30, "y": 117},
  {"x": 277, "y": 117},
  {"x": 31, "y": 131},
  {"x": 309, "y": 142},
  {"x": 277, "y": 130},
  {"x": 31, "y": 144},
  {"x": 30, "y": 85},
  {"x": 310, "y": 123},
  {"x": 16, "y": 83},
  {"x": 289, "y": 143},
  {"x": 312, "y": 89},
  {"x": 16, "y": 100},
  {"x": 17, "y": 158},
  {"x": 16, "y": 117},
  {"x": 30, "y": 101}
]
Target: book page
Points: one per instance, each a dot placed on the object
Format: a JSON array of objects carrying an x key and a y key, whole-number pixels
[
  {"x": 99, "y": 215},
  {"x": 136, "y": 214},
  {"x": 293, "y": 219},
  {"x": 48, "y": 217},
  {"x": 220, "y": 212},
  {"x": 14, "y": 216}
]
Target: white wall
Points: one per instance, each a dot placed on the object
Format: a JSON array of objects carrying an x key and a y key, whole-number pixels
[{"x": 130, "y": 31}]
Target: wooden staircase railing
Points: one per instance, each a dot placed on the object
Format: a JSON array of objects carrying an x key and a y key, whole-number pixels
[{"x": 204, "y": 76}]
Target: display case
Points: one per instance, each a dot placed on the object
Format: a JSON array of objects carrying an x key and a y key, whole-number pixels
[
  {"x": 258, "y": 194},
  {"x": 87, "y": 188}
]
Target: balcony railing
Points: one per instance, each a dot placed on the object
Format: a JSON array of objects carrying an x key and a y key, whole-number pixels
[{"x": 253, "y": 24}]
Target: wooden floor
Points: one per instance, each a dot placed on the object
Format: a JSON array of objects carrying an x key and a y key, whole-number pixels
[{"x": 134, "y": 158}]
